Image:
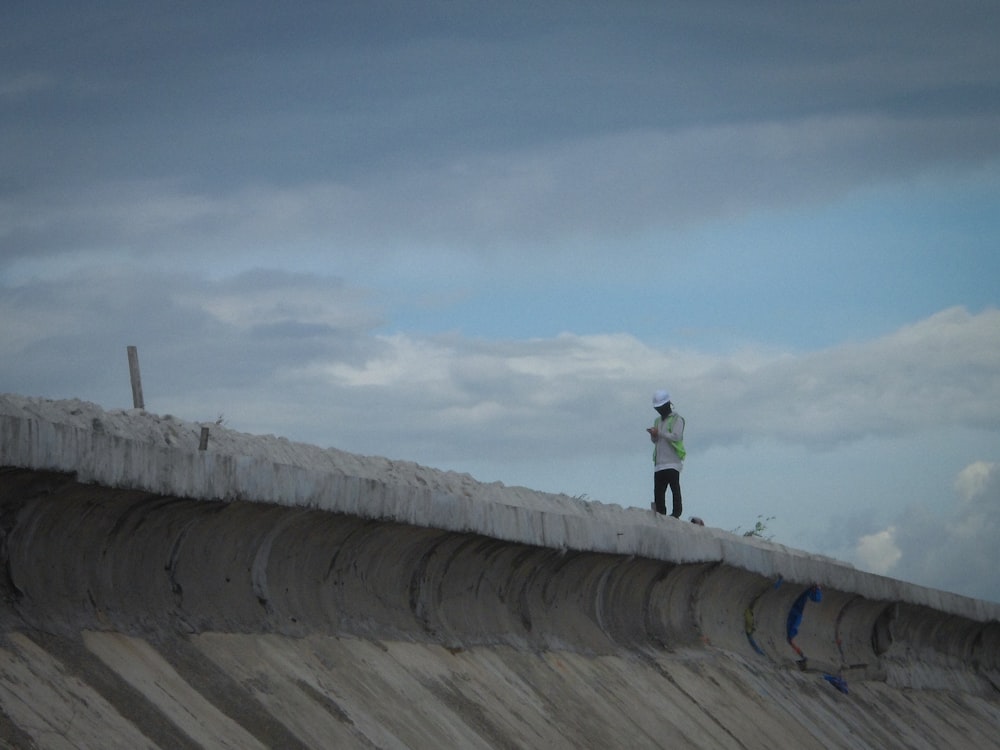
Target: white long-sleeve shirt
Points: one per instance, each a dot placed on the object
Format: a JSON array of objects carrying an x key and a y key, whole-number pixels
[{"x": 664, "y": 455}]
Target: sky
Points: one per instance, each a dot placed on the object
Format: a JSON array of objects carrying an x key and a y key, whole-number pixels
[{"x": 479, "y": 236}]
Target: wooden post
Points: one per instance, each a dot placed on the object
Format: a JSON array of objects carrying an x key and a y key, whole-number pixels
[
  {"x": 133, "y": 369},
  {"x": 203, "y": 443}
]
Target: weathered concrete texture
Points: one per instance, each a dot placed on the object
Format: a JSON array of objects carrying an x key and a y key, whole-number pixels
[
  {"x": 160, "y": 596},
  {"x": 107, "y": 689}
]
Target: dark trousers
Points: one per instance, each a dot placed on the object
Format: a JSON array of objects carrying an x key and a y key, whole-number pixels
[{"x": 661, "y": 480}]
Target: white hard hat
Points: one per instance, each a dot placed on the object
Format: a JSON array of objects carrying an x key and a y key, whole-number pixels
[{"x": 660, "y": 398}]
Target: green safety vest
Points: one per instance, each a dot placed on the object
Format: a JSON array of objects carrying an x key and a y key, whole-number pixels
[{"x": 677, "y": 445}]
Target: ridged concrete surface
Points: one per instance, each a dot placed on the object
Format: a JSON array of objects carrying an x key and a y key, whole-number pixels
[{"x": 266, "y": 594}]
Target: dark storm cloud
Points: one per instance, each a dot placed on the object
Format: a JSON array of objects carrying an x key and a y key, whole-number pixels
[
  {"x": 142, "y": 127},
  {"x": 229, "y": 92}
]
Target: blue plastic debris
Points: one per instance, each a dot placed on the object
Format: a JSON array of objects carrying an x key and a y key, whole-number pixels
[
  {"x": 838, "y": 682},
  {"x": 813, "y": 593}
]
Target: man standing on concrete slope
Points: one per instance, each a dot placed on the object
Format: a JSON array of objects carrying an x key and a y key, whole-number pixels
[{"x": 667, "y": 435}]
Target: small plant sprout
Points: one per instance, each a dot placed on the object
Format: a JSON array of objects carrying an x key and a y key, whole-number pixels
[{"x": 759, "y": 529}]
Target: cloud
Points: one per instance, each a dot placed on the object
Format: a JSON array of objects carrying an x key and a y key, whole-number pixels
[
  {"x": 513, "y": 202},
  {"x": 196, "y": 336},
  {"x": 974, "y": 481},
  {"x": 286, "y": 338},
  {"x": 449, "y": 400},
  {"x": 306, "y": 357},
  {"x": 878, "y": 552},
  {"x": 952, "y": 546},
  {"x": 454, "y": 123},
  {"x": 526, "y": 396},
  {"x": 941, "y": 371}
]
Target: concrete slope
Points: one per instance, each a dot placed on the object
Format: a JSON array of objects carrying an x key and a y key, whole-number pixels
[{"x": 261, "y": 593}]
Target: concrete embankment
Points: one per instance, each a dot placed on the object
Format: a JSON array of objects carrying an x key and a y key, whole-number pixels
[{"x": 260, "y": 593}]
